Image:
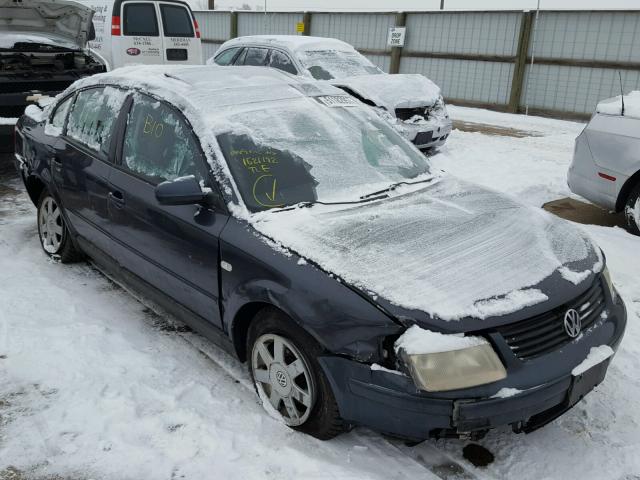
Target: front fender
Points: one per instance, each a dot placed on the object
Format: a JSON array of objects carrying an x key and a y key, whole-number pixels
[{"x": 342, "y": 320}]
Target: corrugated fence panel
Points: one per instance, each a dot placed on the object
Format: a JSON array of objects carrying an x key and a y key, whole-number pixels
[
  {"x": 483, "y": 33},
  {"x": 470, "y": 80},
  {"x": 267, "y": 24},
  {"x": 360, "y": 30},
  {"x": 599, "y": 36},
  {"x": 381, "y": 61},
  {"x": 213, "y": 25}
]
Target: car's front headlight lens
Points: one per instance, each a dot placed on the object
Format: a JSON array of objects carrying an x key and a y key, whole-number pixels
[
  {"x": 607, "y": 280},
  {"x": 454, "y": 368}
]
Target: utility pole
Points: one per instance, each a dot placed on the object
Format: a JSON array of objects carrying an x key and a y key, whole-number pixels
[{"x": 441, "y": 4}]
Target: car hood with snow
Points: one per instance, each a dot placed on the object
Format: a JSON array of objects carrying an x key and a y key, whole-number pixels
[
  {"x": 58, "y": 23},
  {"x": 393, "y": 91},
  {"x": 450, "y": 251}
]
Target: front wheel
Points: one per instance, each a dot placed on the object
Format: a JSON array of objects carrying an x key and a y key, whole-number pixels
[
  {"x": 52, "y": 231},
  {"x": 288, "y": 378},
  {"x": 632, "y": 211}
]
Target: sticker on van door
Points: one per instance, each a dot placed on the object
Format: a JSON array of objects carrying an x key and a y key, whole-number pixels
[{"x": 133, "y": 51}]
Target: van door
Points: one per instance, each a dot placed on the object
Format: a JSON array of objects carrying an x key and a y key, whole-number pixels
[
  {"x": 140, "y": 41},
  {"x": 181, "y": 36}
]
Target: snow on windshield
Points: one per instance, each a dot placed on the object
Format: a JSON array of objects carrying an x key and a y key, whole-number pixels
[
  {"x": 302, "y": 151},
  {"x": 452, "y": 249},
  {"x": 330, "y": 64}
]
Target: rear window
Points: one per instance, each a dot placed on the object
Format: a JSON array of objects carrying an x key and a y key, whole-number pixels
[
  {"x": 140, "y": 19},
  {"x": 176, "y": 21}
]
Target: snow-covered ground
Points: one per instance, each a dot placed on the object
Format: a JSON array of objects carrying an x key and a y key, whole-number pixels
[{"x": 93, "y": 384}]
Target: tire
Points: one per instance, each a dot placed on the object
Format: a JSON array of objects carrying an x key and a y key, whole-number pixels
[
  {"x": 632, "y": 210},
  {"x": 299, "y": 371},
  {"x": 53, "y": 233}
]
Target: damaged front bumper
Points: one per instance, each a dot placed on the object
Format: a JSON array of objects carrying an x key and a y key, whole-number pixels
[
  {"x": 390, "y": 403},
  {"x": 431, "y": 134}
]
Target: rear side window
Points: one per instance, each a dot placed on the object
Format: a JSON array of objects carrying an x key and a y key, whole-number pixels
[
  {"x": 93, "y": 117},
  {"x": 176, "y": 21},
  {"x": 159, "y": 144},
  {"x": 256, "y": 57},
  {"x": 281, "y": 61},
  {"x": 140, "y": 19},
  {"x": 226, "y": 57}
]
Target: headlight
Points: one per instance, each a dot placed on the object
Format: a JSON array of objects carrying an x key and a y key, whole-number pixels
[
  {"x": 474, "y": 363},
  {"x": 607, "y": 280}
]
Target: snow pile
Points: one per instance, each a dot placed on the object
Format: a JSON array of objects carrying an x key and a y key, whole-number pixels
[
  {"x": 418, "y": 341},
  {"x": 394, "y": 91},
  {"x": 596, "y": 355},
  {"x": 416, "y": 249},
  {"x": 613, "y": 106},
  {"x": 35, "y": 113}
]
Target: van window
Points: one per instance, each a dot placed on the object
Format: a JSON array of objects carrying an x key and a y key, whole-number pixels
[
  {"x": 281, "y": 61},
  {"x": 140, "y": 19},
  {"x": 176, "y": 21},
  {"x": 93, "y": 117},
  {"x": 256, "y": 57},
  {"x": 226, "y": 57},
  {"x": 159, "y": 144}
]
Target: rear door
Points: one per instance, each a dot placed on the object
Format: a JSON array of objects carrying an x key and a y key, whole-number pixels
[
  {"x": 83, "y": 158},
  {"x": 140, "y": 39},
  {"x": 173, "y": 248},
  {"x": 181, "y": 37}
]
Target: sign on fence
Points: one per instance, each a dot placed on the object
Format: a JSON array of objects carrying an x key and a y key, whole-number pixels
[
  {"x": 396, "y": 36},
  {"x": 300, "y": 27}
]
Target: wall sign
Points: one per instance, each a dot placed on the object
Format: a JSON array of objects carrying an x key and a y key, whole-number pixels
[{"x": 396, "y": 36}]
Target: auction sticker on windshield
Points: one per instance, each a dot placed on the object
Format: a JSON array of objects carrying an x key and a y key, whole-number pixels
[{"x": 339, "y": 101}]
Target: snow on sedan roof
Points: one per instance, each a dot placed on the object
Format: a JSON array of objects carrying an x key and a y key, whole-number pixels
[
  {"x": 613, "y": 106},
  {"x": 296, "y": 42}
]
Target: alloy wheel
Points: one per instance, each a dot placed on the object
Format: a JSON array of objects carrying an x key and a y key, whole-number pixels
[
  {"x": 51, "y": 227},
  {"x": 283, "y": 378}
]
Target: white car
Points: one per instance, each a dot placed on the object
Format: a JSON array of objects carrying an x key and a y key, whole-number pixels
[
  {"x": 606, "y": 158},
  {"x": 411, "y": 102}
]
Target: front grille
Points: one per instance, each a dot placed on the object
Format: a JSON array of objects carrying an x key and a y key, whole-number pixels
[
  {"x": 407, "y": 113},
  {"x": 544, "y": 333}
]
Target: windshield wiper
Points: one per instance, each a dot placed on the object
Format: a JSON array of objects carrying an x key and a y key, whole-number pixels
[
  {"x": 317, "y": 202},
  {"x": 393, "y": 186}
]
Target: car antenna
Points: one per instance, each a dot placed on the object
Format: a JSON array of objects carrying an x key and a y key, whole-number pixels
[{"x": 621, "y": 91}]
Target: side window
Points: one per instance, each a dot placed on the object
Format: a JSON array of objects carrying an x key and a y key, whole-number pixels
[
  {"x": 240, "y": 58},
  {"x": 93, "y": 117},
  {"x": 226, "y": 57},
  {"x": 140, "y": 19},
  {"x": 281, "y": 61},
  {"x": 256, "y": 57},
  {"x": 61, "y": 113},
  {"x": 158, "y": 143},
  {"x": 176, "y": 21}
]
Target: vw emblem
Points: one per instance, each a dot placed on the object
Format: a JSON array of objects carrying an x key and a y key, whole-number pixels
[
  {"x": 281, "y": 378},
  {"x": 572, "y": 323}
]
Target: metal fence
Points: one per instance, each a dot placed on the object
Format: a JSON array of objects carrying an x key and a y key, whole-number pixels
[{"x": 477, "y": 58}]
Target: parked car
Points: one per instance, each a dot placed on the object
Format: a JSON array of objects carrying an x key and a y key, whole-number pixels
[
  {"x": 606, "y": 160},
  {"x": 132, "y": 32},
  {"x": 296, "y": 228},
  {"x": 411, "y": 102},
  {"x": 42, "y": 52}
]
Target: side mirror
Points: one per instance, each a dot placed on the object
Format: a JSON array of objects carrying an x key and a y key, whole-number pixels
[{"x": 181, "y": 191}]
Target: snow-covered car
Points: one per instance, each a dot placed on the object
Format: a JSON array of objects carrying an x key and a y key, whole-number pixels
[
  {"x": 42, "y": 52},
  {"x": 293, "y": 226},
  {"x": 606, "y": 160},
  {"x": 412, "y": 103}
]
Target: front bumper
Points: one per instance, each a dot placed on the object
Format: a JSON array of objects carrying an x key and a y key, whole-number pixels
[
  {"x": 430, "y": 135},
  {"x": 390, "y": 403}
]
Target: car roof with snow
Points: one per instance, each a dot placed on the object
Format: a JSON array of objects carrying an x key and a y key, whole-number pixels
[
  {"x": 211, "y": 91},
  {"x": 294, "y": 42}
]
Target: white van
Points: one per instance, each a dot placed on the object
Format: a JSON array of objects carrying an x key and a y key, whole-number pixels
[{"x": 129, "y": 32}]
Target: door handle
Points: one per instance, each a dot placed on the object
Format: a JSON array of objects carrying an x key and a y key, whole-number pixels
[{"x": 117, "y": 198}]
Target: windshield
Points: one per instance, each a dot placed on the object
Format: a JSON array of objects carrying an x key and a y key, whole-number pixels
[
  {"x": 330, "y": 64},
  {"x": 303, "y": 150}
]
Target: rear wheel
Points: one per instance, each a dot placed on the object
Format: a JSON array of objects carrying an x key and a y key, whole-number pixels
[
  {"x": 632, "y": 210},
  {"x": 288, "y": 378},
  {"x": 52, "y": 231}
]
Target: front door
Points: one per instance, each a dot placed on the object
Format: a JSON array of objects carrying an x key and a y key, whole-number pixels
[{"x": 174, "y": 248}]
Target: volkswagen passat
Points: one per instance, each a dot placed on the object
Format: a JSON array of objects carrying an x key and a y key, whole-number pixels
[{"x": 294, "y": 227}]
